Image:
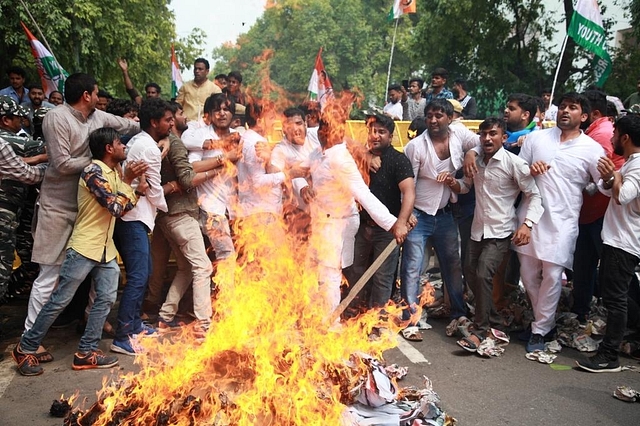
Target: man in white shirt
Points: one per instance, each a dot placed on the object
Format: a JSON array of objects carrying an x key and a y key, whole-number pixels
[
  {"x": 500, "y": 179},
  {"x": 563, "y": 160},
  {"x": 296, "y": 146},
  {"x": 336, "y": 185},
  {"x": 436, "y": 153},
  {"x": 131, "y": 233},
  {"x": 621, "y": 240},
  {"x": 394, "y": 107},
  {"x": 217, "y": 140}
]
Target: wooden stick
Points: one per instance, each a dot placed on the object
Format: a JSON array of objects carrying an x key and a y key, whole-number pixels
[{"x": 364, "y": 278}]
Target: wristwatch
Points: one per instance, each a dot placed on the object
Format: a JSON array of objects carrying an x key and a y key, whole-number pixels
[
  {"x": 528, "y": 223},
  {"x": 609, "y": 182}
]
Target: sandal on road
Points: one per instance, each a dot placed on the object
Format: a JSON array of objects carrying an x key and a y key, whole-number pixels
[
  {"x": 43, "y": 355},
  {"x": 412, "y": 334},
  {"x": 471, "y": 343}
]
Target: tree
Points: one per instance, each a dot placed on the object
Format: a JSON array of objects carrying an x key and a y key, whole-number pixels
[
  {"x": 626, "y": 59},
  {"x": 89, "y": 35}
]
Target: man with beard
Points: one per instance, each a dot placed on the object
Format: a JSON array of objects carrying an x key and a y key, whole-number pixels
[
  {"x": 66, "y": 129},
  {"x": 518, "y": 116},
  {"x": 179, "y": 227},
  {"x": 621, "y": 240},
  {"x": 562, "y": 160},
  {"x": 194, "y": 93},
  {"x": 438, "y": 88},
  {"x": 392, "y": 183},
  {"x": 131, "y": 231},
  {"x": 589, "y": 242},
  {"x": 434, "y": 155},
  {"x": 415, "y": 103}
]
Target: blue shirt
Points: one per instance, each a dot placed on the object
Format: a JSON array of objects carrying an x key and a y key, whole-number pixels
[
  {"x": 444, "y": 94},
  {"x": 10, "y": 91}
]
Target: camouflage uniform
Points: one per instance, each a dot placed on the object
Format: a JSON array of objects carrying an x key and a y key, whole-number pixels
[{"x": 17, "y": 202}]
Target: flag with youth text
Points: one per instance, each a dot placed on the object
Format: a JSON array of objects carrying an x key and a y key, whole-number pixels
[
  {"x": 320, "y": 88},
  {"x": 401, "y": 7},
  {"x": 587, "y": 30},
  {"x": 176, "y": 77},
  {"x": 51, "y": 73}
]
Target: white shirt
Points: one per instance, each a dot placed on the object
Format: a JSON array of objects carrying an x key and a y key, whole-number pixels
[
  {"x": 498, "y": 184},
  {"x": 258, "y": 191},
  {"x": 424, "y": 161},
  {"x": 621, "y": 227},
  {"x": 338, "y": 184},
  {"x": 213, "y": 194},
  {"x": 551, "y": 113},
  {"x": 394, "y": 110},
  {"x": 143, "y": 147},
  {"x": 573, "y": 164},
  {"x": 286, "y": 154}
]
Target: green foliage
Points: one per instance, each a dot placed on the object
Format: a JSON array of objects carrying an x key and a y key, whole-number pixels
[
  {"x": 89, "y": 35},
  {"x": 626, "y": 60}
]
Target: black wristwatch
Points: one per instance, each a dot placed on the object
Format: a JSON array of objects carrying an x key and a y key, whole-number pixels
[{"x": 528, "y": 223}]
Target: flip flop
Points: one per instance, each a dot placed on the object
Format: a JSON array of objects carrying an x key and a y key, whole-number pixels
[
  {"x": 469, "y": 345},
  {"x": 412, "y": 334}
]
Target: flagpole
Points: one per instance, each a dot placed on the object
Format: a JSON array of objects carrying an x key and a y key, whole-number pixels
[
  {"x": 393, "y": 45},
  {"x": 41, "y": 35},
  {"x": 555, "y": 78}
]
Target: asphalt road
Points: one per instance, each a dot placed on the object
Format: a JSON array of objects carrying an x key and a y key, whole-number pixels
[{"x": 509, "y": 390}]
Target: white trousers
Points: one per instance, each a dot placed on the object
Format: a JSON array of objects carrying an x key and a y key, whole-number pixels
[
  {"x": 543, "y": 282},
  {"x": 41, "y": 291}
]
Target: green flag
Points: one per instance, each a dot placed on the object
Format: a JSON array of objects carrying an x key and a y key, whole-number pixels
[{"x": 587, "y": 31}]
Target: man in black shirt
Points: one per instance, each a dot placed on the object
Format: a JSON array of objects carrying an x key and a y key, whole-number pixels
[{"x": 392, "y": 183}]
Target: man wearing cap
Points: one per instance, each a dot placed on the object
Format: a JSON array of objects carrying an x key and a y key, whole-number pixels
[
  {"x": 438, "y": 88},
  {"x": 16, "y": 177}
]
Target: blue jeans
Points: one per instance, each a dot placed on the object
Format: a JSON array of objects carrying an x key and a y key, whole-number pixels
[
  {"x": 444, "y": 236},
  {"x": 73, "y": 271},
  {"x": 585, "y": 266},
  {"x": 132, "y": 242}
]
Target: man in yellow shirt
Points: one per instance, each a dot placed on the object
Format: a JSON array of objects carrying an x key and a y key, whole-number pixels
[
  {"x": 194, "y": 93},
  {"x": 102, "y": 196}
]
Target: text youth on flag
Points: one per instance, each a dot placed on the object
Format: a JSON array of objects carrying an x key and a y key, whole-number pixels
[
  {"x": 176, "y": 77},
  {"x": 51, "y": 73},
  {"x": 320, "y": 88},
  {"x": 587, "y": 31},
  {"x": 401, "y": 7}
]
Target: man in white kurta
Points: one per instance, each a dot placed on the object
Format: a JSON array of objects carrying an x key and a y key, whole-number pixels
[
  {"x": 563, "y": 160},
  {"x": 337, "y": 185}
]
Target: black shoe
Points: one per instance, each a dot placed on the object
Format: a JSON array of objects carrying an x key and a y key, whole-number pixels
[
  {"x": 93, "y": 359},
  {"x": 536, "y": 343},
  {"x": 28, "y": 364},
  {"x": 600, "y": 363}
]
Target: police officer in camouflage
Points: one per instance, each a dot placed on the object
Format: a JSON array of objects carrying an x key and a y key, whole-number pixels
[{"x": 17, "y": 201}]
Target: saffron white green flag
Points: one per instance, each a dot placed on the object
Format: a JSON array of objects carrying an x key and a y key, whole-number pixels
[
  {"x": 320, "y": 88},
  {"x": 587, "y": 31},
  {"x": 176, "y": 77},
  {"x": 51, "y": 73},
  {"x": 401, "y": 7}
]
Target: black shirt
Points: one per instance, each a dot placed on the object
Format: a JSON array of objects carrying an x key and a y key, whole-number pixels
[{"x": 395, "y": 168}]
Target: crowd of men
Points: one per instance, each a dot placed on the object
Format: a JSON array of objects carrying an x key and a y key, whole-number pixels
[{"x": 198, "y": 171}]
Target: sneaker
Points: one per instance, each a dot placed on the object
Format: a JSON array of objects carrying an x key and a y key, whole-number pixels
[
  {"x": 93, "y": 359},
  {"x": 600, "y": 363},
  {"x": 536, "y": 343},
  {"x": 28, "y": 364},
  {"x": 122, "y": 347},
  {"x": 166, "y": 326},
  {"x": 147, "y": 330}
]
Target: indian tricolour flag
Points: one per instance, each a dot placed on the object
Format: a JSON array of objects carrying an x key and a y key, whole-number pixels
[
  {"x": 401, "y": 7},
  {"x": 176, "y": 77},
  {"x": 320, "y": 88},
  {"x": 587, "y": 30},
  {"x": 51, "y": 73}
]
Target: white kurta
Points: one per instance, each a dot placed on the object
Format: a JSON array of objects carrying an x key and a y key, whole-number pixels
[{"x": 573, "y": 164}]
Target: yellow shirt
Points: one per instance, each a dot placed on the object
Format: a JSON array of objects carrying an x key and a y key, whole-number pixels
[
  {"x": 102, "y": 196},
  {"x": 192, "y": 97}
]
